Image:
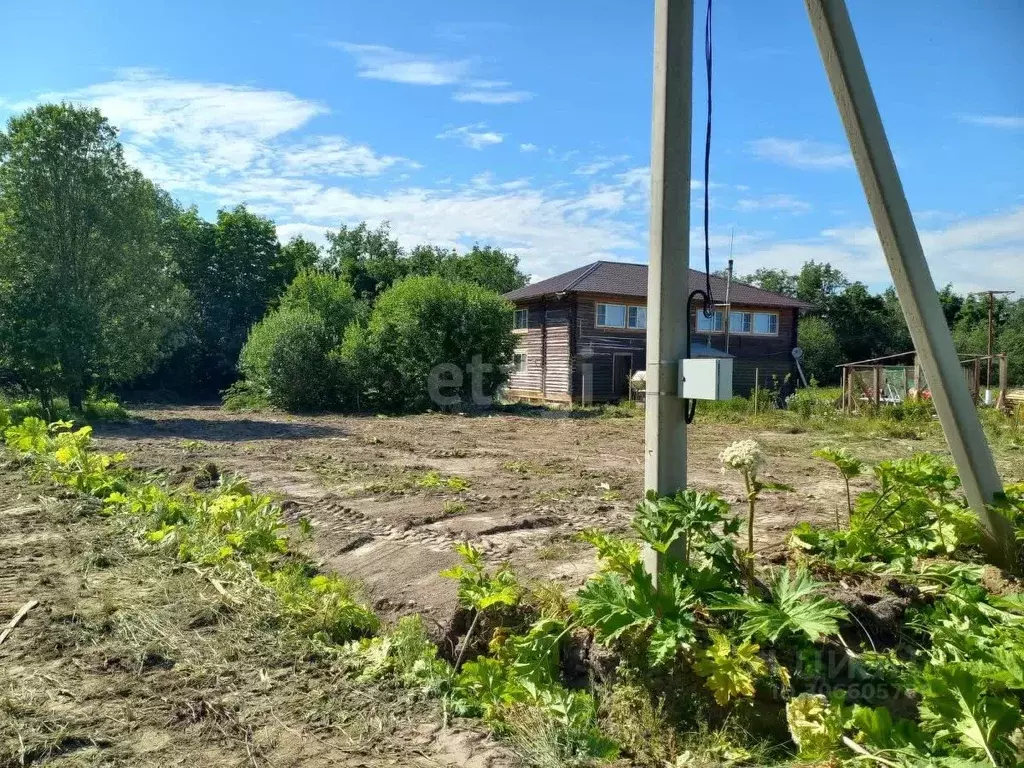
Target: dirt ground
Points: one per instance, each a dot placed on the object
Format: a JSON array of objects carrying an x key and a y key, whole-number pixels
[
  {"x": 377, "y": 489},
  {"x": 128, "y": 659}
]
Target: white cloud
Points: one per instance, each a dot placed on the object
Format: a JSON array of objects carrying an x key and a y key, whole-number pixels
[
  {"x": 777, "y": 202},
  {"x": 798, "y": 153},
  {"x": 379, "y": 62},
  {"x": 599, "y": 164},
  {"x": 336, "y": 156},
  {"x": 973, "y": 254},
  {"x": 527, "y": 147},
  {"x": 491, "y": 92},
  {"x": 229, "y": 127},
  {"x": 218, "y": 145},
  {"x": 186, "y": 135},
  {"x": 474, "y": 136},
  {"x": 994, "y": 121}
]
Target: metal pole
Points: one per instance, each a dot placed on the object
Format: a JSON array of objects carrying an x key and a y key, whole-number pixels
[
  {"x": 914, "y": 286},
  {"x": 728, "y": 304},
  {"x": 991, "y": 318},
  {"x": 668, "y": 273}
]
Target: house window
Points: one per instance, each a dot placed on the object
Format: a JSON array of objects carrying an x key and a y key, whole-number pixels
[
  {"x": 521, "y": 320},
  {"x": 756, "y": 323},
  {"x": 740, "y": 322},
  {"x": 519, "y": 361},
  {"x": 713, "y": 324},
  {"x": 637, "y": 318},
  {"x": 766, "y": 323},
  {"x": 611, "y": 315}
]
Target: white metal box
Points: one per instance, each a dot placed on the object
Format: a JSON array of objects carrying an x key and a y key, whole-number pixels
[{"x": 705, "y": 379}]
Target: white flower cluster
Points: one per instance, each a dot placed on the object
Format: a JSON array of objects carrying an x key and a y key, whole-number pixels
[{"x": 743, "y": 455}]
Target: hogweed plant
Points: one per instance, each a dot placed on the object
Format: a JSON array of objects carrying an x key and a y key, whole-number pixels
[
  {"x": 746, "y": 457},
  {"x": 848, "y": 466}
]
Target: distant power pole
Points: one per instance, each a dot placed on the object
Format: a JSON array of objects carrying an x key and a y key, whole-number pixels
[{"x": 991, "y": 330}]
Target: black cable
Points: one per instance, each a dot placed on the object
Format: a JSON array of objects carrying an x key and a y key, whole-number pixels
[
  {"x": 690, "y": 406},
  {"x": 708, "y": 58}
]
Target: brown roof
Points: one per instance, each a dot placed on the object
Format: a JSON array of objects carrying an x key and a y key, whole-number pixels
[{"x": 614, "y": 277}]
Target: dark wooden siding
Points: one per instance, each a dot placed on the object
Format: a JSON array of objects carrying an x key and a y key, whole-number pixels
[
  {"x": 546, "y": 343},
  {"x": 582, "y": 366},
  {"x": 596, "y": 348},
  {"x": 766, "y": 355}
]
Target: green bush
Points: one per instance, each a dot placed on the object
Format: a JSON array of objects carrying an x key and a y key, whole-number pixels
[
  {"x": 822, "y": 351},
  {"x": 289, "y": 356},
  {"x": 324, "y": 295},
  {"x": 422, "y": 338}
]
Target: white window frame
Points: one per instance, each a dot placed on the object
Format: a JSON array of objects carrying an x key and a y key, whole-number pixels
[
  {"x": 770, "y": 315},
  {"x": 735, "y": 328},
  {"x": 635, "y": 310},
  {"x": 526, "y": 361},
  {"x": 597, "y": 314},
  {"x": 718, "y": 319},
  {"x": 516, "y": 328}
]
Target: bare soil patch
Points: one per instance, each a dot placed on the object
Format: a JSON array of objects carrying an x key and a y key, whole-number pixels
[
  {"x": 390, "y": 497},
  {"x": 131, "y": 659}
]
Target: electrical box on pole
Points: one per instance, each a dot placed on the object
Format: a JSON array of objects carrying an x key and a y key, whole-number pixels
[{"x": 705, "y": 379}]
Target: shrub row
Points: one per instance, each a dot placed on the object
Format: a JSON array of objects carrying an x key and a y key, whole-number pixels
[{"x": 427, "y": 343}]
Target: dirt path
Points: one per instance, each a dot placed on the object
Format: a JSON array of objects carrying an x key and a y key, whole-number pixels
[
  {"x": 132, "y": 660},
  {"x": 383, "y": 509}
]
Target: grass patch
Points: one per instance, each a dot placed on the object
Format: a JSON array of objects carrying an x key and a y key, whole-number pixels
[{"x": 436, "y": 481}]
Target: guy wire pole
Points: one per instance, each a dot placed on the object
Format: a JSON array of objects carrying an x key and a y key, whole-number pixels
[
  {"x": 914, "y": 286},
  {"x": 669, "y": 256}
]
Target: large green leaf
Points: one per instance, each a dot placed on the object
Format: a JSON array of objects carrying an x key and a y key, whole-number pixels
[
  {"x": 957, "y": 704},
  {"x": 794, "y": 608}
]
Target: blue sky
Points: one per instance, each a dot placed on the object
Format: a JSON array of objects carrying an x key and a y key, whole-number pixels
[{"x": 526, "y": 124}]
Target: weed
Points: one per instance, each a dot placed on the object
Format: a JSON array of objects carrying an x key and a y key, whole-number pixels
[
  {"x": 436, "y": 481},
  {"x": 746, "y": 457},
  {"x": 848, "y": 467},
  {"x": 451, "y": 507},
  {"x": 637, "y": 722}
]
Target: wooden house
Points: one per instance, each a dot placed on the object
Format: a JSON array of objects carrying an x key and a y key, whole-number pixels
[{"x": 582, "y": 334}]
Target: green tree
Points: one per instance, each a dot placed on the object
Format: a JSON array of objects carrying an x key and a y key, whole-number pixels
[
  {"x": 774, "y": 280},
  {"x": 898, "y": 334},
  {"x": 861, "y": 323},
  {"x": 822, "y": 352},
  {"x": 322, "y": 294},
  {"x": 88, "y": 292},
  {"x": 491, "y": 268},
  {"x": 234, "y": 270},
  {"x": 1011, "y": 344},
  {"x": 288, "y": 356},
  {"x": 951, "y": 303},
  {"x": 818, "y": 284},
  {"x": 299, "y": 254},
  {"x": 428, "y": 343},
  {"x": 369, "y": 260}
]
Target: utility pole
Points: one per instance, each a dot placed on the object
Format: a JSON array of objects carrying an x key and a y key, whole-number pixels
[
  {"x": 991, "y": 331},
  {"x": 905, "y": 256},
  {"x": 668, "y": 281}
]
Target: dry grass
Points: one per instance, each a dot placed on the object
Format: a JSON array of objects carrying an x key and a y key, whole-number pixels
[{"x": 132, "y": 659}]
